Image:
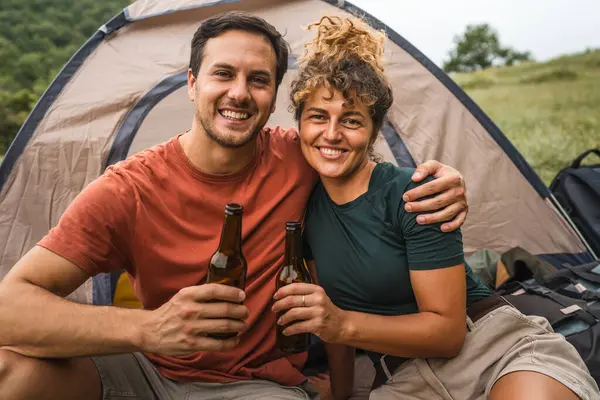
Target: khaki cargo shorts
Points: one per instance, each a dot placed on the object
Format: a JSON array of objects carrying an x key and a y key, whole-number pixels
[
  {"x": 501, "y": 342},
  {"x": 132, "y": 377}
]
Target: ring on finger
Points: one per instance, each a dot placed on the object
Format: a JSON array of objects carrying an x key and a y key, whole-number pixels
[{"x": 303, "y": 301}]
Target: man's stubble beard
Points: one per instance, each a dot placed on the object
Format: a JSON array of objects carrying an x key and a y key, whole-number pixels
[{"x": 225, "y": 140}]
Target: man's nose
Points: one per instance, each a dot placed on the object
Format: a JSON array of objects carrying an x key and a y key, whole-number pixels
[{"x": 239, "y": 91}]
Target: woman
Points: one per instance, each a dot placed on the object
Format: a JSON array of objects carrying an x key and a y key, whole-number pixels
[{"x": 388, "y": 285}]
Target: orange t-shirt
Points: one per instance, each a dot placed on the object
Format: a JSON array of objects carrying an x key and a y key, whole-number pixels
[{"x": 158, "y": 217}]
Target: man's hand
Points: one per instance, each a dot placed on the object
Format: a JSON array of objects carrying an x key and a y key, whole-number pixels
[
  {"x": 181, "y": 325},
  {"x": 323, "y": 385},
  {"x": 450, "y": 203}
]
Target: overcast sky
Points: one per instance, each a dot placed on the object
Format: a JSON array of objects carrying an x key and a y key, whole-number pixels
[{"x": 547, "y": 28}]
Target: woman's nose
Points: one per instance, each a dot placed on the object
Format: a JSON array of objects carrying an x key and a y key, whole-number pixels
[{"x": 332, "y": 133}]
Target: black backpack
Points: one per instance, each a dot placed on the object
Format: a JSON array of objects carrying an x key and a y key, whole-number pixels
[
  {"x": 577, "y": 190},
  {"x": 569, "y": 298}
]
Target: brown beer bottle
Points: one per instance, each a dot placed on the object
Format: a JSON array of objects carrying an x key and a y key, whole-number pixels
[
  {"x": 293, "y": 270},
  {"x": 228, "y": 265}
]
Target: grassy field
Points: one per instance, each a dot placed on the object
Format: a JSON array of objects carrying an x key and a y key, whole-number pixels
[{"x": 549, "y": 111}]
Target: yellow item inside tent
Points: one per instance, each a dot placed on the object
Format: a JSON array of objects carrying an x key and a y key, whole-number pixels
[{"x": 124, "y": 294}]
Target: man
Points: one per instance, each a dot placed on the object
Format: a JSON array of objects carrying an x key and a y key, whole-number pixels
[{"x": 158, "y": 215}]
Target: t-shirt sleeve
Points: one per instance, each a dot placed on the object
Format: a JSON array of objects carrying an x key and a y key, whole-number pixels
[
  {"x": 287, "y": 148},
  {"x": 95, "y": 231},
  {"x": 306, "y": 251},
  {"x": 427, "y": 247},
  {"x": 289, "y": 134}
]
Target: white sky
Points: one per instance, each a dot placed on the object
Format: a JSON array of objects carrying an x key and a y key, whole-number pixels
[{"x": 547, "y": 28}]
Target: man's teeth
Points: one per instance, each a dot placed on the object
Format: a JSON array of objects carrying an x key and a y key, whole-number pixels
[
  {"x": 234, "y": 115},
  {"x": 330, "y": 152}
]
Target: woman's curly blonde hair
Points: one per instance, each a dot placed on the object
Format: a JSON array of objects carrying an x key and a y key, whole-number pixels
[{"x": 346, "y": 55}]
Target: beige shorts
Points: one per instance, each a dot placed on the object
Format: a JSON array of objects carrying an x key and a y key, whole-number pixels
[
  {"x": 133, "y": 377},
  {"x": 501, "y": 342}
]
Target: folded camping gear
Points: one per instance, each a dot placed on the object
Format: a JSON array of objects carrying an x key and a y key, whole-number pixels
[
  {"x": 483, "y": 263},
  {"x": 577, "y": 190},
  {"x": 518, "y": 265}
]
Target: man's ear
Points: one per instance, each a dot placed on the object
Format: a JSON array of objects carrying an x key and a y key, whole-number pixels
[{"x": 191, "y": 79}]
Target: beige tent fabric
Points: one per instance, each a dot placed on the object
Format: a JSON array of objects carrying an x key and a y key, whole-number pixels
[
  {"x": 147, "y": 8},
  {"x": 171, "y": 116},
  {"x": 70, "y": 146},
  {"x": 435, "y": 125}
]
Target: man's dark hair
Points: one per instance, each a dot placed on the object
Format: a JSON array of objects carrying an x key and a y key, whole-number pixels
[{"x": 235, "y": 20}]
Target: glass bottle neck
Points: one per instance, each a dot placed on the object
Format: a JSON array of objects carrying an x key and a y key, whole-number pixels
[
  {"x": 231, "y": 236},
  {"x": 293, "y": 247}
]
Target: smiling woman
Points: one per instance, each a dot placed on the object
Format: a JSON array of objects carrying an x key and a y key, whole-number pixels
[
  {"x": 341, "y": 96},
  {"x": 387, "y": 284},
  {"x": 346, "y": 60},
  {"x": 336, "y": 134}
]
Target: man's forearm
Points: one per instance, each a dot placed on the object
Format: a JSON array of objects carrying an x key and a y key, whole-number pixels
[
  {"x": 420, "y": 335},
  {"x": 37, "y": 323}
]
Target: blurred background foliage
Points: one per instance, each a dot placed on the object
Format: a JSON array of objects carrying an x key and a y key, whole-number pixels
[{"x": 37, "y": 37}]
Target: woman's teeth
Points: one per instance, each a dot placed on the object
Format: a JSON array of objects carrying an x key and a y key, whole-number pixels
[{"x": 234, "y": 115}]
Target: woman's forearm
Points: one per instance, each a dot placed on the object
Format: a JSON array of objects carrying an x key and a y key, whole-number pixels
[
  {"x": 421, "y": 335},
  {"x": 341, "y": 369}
]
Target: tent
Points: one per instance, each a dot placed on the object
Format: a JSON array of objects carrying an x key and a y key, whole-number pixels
[{"x": 125, "y": 90}]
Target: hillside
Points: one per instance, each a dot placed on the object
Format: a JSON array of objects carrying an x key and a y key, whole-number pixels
[
  {"x": 550, "y": 111},
  {"x": 37, "y": 37}
]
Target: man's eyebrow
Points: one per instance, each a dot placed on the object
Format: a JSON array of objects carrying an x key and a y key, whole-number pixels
[
  {"x": 224, "y": 66},
  {"x": 263, "y": 72},
  {"x": 230, "y": 67},
  {"x": 316, "y": 109}
]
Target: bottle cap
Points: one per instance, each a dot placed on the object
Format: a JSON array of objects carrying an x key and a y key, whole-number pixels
[
  {"x": 234, "y": 209},
  {"x": 293, "y": 225}
]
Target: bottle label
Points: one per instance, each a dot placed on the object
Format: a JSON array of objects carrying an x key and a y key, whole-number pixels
[
  {"x": 219, "y": 260},
  {"x": 289, "y": 275}
]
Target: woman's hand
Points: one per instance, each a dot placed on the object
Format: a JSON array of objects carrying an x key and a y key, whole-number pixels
[{"x": 309, "y": 310}]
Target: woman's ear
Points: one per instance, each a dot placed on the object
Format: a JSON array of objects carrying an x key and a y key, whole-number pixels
[{"x": 374, "y": 134}]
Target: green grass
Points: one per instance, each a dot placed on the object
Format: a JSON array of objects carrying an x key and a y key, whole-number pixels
[{"x": 549, "y": 111}]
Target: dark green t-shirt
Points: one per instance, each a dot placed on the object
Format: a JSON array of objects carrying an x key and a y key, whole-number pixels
[{"x": 364, "y": 249}]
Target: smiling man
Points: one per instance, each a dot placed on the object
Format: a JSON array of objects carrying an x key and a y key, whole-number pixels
[{"x": 158, "y": 215}]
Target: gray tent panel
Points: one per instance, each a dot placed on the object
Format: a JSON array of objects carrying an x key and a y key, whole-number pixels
[
  {"x": 136, "y": 116},
  {"x": 394, "y": 140}
]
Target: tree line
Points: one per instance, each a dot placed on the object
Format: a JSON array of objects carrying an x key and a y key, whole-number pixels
[
  {"x": 37, "y": 37},
  {"x": 479, "y": 48}
]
